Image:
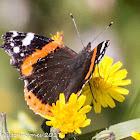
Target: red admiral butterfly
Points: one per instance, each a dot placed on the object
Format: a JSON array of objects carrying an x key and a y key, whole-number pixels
[{"x": 49, "y": 68}]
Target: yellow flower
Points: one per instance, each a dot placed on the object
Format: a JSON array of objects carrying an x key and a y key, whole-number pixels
[
  {"x": 58, "y": 37},
  {"x": 105, "y": 84},
  {"x": 135, "y": 135},
  {"x": 69, "y": 117}
]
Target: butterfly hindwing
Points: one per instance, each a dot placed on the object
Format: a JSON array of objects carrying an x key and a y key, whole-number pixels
[{"x": 50, "y": 77}]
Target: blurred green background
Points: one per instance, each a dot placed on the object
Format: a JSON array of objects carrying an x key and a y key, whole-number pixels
[{"x": 92, "y": 16}]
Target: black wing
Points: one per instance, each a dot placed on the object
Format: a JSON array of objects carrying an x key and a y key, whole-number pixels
[
  {"x": 50, "y": 62},
  {"x": 21, "y": 45}
]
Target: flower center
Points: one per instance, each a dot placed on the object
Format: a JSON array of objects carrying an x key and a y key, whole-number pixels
[{"x": 100, "y": 84}]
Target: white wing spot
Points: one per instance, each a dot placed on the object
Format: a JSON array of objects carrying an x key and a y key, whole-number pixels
[
  {"x": 27, "y": 40},
  {"x": 103, "y": 45},
  {"x": 25, "y": 83},
  {"x": 108, "y": 43},
  {"x": 11, "y": 39},
  {"x": 99, "y": 58},
  {"x": 22, "y": 54},
  {"x": 14, "y": 33},
  {"x": 12, "y": 44},
  {"x": 16, "y": 49}
]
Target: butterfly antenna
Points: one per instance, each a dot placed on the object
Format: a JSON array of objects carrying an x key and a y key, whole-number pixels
[
  {"x": 76, "y": 28},
  {"x": 102, "y": 32}
]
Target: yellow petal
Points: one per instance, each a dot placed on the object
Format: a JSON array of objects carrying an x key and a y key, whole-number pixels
[
  {"x": 96, "y": 72},
  {"x": 58, "y": 37},
  {"x": 107, "y": 62},
  {"x": 135, "y": 135},
  {"x": 101, "y": 70},
  {"x": 88, "y": 98},
  {"x": 58, "y": 105},
  {"x": 102, "y": 100},
  {"x": 121, "y": 90},
  {"x": 73, "y": 98},
  {"x": 120, "y": 74},
  {"x": 48, "y": 117},
  {"x": 81, "y": 100},
  {"x": 110, "y": 79},
  {"x": 105, "y": 65},
  {"x": 49, "y": 123},
  {"x": 62, "y": 98},
  {"x": 117, "y": 96},
  {"x": 109, "y": 101},
  {"x": 116, "y": 67},
  {"x": 122, "y": 82},
  {"x": 97, "y": 106},
  {"x": 85, "y": 109},
  {"x": 61, "y": 135},
  {"x": 78, "y": 131},
  {"x": 86, "y": 123},
  {"x": 86, "y": 89},
  {"x": 112, "y": 70},
  {"x": 53, "y": 105}
]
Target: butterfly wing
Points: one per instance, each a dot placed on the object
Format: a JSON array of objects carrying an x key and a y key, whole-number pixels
[
  {"x": 21, "y": 45},
  {"x": 43, "y": 64},
  {"x": 49, "y": 68}
]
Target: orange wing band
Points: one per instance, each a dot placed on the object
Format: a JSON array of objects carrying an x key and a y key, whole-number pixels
[
  {"x": 92, "y": 63},
  {"x": 26, "y": 67},
  {"x": 36, "y": 105}
]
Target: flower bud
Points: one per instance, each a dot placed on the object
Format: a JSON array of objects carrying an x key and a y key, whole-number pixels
[
  {"x": 4, "y": 135},
  {"x": 105, "y": 135}
]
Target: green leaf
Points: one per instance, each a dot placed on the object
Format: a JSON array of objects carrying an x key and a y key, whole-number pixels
[
  {"x": 121, "y": 130},
  {"x": 124, "y": 129}
]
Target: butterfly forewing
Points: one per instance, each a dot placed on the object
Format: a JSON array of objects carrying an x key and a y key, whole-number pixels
[{"x": 21, "y": 45}]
